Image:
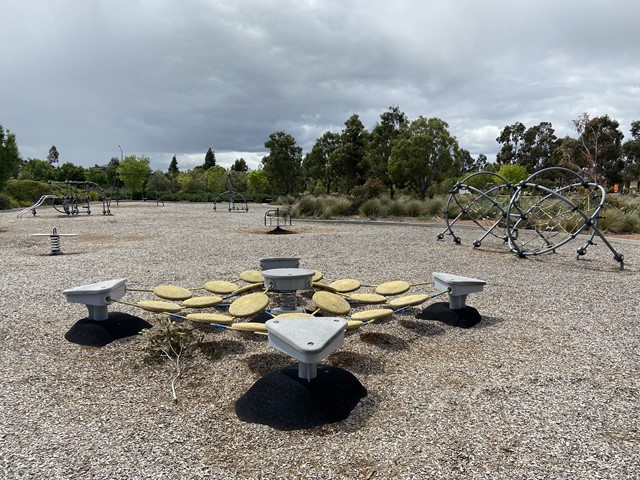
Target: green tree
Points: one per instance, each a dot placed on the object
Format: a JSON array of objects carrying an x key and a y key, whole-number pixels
[
  {"x": 240, "y": 165},
  {"x": 282, "y": 166},
  {"x": 631, "y": 151},
  {"x": 601, "y": 152},
  {"x": 209, "y": 159},
  {"x": 348, "y": 162},
  {"x": 216, "y": 179},
  {"x": 512, "y": 139},
  {"x": 9, "y": 156},
  {"x": 39, "y": 170},
  {"x": 383, "y": 134},
  {"x": 423, "y": 155},
  {"x": 513, "y": 172},
  {"x": 173, "y": 167},
  {"x": 194, "y": 180},
  {"x": 315, "y": 166},
  {"x": 53, "y": 155},
  {"x": 134, "y": 171},
  {"x": 98, "y": 175},
  {"x": 69, "y": 171},
  {"x": 257, "y": 182},
  {"x": 537, "y": 150}
]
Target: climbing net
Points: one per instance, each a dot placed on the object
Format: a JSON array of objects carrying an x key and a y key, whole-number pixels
[{"x": 536, "y": 216}]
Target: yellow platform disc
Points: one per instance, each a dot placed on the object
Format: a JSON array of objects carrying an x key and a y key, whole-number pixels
[
  {"x": 345, "y": 285},
  {"x": 317, "y": 276},
  {"x": 331, "y": 303},
  {"x": 367, "y": 298},
  {"x": 249, "y": 305},
  {"x": 172, "y": 292},
  {"x": 354, "y": 324},
  {"x": 220, "y": 286},
  {"x": 248, "y": 288},
  {"x": 370, "y": 315},
  {"x": 323, "y": 286},
  {"x": 202, "y": 302},
  {"x": 157, "y": 306},
  {"x": 409, "y": 300},
  {"x": 248, "y": 327},
  {"x": 393, "y": 288},
  {"x": 210, "y": 318},
  {"x": 294, "y": 315},
  {"x": 252, "y": 276}
]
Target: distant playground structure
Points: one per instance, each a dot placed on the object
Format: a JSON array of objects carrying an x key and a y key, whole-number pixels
[
  {"x": 535, "y": 216},
  {"x": 71, "y": 197}
]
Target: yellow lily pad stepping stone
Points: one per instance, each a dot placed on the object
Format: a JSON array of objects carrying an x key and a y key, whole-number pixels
[
  {"x": 248, "y": 288},
  {"x": 368, "y": 298},
  {"x": 371, "y": 315},
  {"x": 354, "y": 324},
  {"x": 332, "y": 303},
  {"x": 317, "y": 276},
  {"x": 409, "y": 300},
  {"x": 255, "y": 327},
  {"x": 249, "y": 305},
  {"x": 294, "y": 315},
  {"x": 345, "y": 285},
  {"x": 210, "y": 318},
  {"x": 324, "y": 286},
  {"x": 220, "y": 286},
  {"x": 202, "y": 302},
  {"x": 252, "y": 276},
  {"x": 393, "y": 288},
  {"x": 172, "y": 292},
  {"x": 160, "y": 307}
]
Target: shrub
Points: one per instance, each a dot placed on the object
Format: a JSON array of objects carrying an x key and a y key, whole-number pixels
[
  {"x": 26, "y": 192},
  {"x": 308, "y": 206},
  {"x": 371, "y": 208},
  {"x": 394, "y": 208},
  {"x": 612, "y": 220},
  {"x": 337, "y": 207},
  {"x": 5, "y": 202}
]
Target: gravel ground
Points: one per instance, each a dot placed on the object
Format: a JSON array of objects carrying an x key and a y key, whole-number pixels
[{"x": 546, "y": 386}]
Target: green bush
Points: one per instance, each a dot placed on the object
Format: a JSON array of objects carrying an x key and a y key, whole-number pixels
[
  {"x": 393, "y": 208},
  {"x": 308, "y": 206},
  {"x": 336, "y": 207},
  {"x": 26, "y": 192},
  {"x": 5, "y": 202},
  {"x": 371, "y": 208}
]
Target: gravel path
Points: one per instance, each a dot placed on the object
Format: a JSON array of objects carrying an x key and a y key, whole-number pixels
[{"x": 546, "y": 386}]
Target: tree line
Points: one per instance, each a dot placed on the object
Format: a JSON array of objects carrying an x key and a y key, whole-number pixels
[{"x": 420, "y": 157}]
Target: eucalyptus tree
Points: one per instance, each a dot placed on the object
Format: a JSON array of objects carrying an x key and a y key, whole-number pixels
[
  {"x": 348, "y": 163},
  {"x": 531, "y": 147},
  {"x": 315, "y": 165},
  {"x": 631, "y": 151},
  {"x": 391, "y": 125},
  {"x": 9, "y": 156},
  {"x": 601, "y": 148},
  {"x": 282, "y": 166},
  {"x": 426, "y": 153}
]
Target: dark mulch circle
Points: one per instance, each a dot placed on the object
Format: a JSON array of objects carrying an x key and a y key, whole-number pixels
[
  {"x": 465, "y": 317},
  {"x": 98, "y": 333},
  {"x": 284, "y": 401}
]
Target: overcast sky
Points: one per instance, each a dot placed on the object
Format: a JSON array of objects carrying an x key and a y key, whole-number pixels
[{"x": 165, "y": 77}]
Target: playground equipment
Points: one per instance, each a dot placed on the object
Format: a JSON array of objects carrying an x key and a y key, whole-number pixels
[
  {"x": 310, "y": 393},
  {"x": 231, "y": 195},
  {"x": 536, "y": 216},
  {"x": 278, "y": 218},
  {"x": 76, "y": 197},
  {"x": 55, "y": 240}
]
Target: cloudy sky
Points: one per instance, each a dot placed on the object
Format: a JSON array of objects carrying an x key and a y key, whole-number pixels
[{"x": 165, "y": 77}]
